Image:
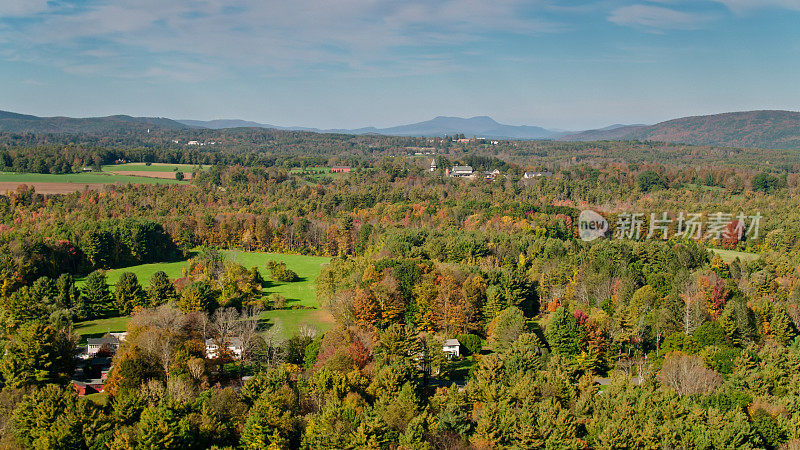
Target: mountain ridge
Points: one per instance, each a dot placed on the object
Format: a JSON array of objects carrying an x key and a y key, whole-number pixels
[
  {"x": 481, "y": 126},
  {"x": 23, "y": 123},
  {"x": 769, "y": 129},
  {"x": 774, "y": 129}
]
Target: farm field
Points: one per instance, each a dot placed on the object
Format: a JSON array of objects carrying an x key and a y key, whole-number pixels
[
  {"x": 154, "y": 170},
  {"x": 298, "y": 293},
  {"x": 83, "y": 178},
  {"x": 99, "y": 327},
  {"x": 47, "y": 183},
  {"x": 51, "y": 188},
  {"x": 154, "y": 167}
]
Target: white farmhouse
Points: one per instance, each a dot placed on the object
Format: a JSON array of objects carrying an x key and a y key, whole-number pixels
[
  {"x": 461, "y": 172},
  {"x": 234, "y": 346},
  {"x": 452, "y": 348}
]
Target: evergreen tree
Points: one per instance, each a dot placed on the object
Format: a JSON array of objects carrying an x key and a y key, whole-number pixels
[
  {"x": 96, "y": 299},
  {"x": 198, "y": 296},
  {"x": 562, "y": 333},
  {"x": 37, "y": 354},
  {"x": 162, "y": 427},
  {"x": 270, "y": 423},
  {"x": 128, "y": 293},
  {"x": 49, "y": 418},
  {"x": 68, "y": 294},
  {"x": 161, "y": 290}
]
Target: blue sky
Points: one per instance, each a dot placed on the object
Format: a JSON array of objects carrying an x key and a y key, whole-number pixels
[{"x": 565, "y": 64}]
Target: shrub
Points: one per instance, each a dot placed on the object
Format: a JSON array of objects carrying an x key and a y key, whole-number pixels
[
  {"x": 471, "y": 343},
  {"x": 280, "y": 272},
  {"x": 277, "y": 301}
]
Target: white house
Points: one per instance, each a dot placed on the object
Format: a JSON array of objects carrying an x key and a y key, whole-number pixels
[
  {"x": 529, "y": 175},
  {"x": 461, "y": 172},
  {"x": 94, "y": 345},
  {"x": 452, "y": 348},
  {"x": 234, "y": 345}
]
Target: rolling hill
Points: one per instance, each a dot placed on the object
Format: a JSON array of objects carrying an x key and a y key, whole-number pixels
[
  {"x": 23, "y": 123},
  {"x": 480, "y": 126},
  {"x": 748, "y": 129}
]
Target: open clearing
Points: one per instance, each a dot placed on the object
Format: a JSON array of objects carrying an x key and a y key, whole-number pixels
[
  {"x": 298, "y": 294},
  {"x": 144, "y": 173},
  {"x": 133, "y": 173},
  {"x": 48, "y": 183},
  {"x": 154, "y": 167},
  {"x": 154, "y": 170},
  {"x": 729, "y": 255}
]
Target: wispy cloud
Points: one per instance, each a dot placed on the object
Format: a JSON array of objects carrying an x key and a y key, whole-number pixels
[
  {"x": 21, "y": 8},
  {"x": 272, "y": 36},
  {"x": 741, "y": 6},
  {"x": 657, "y": 18}
]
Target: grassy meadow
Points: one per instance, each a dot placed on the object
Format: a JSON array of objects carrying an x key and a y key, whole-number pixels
[
  {"x": 79, "y": 178},
  {"x": 153, "y": 167},
  {"x": 729, "y": 256},
  {"x": 300, "y": 293}
]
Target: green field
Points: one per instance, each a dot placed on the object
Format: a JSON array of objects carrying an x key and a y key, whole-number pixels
[
  {"x": 729, "y": 255},
  {"x": 82, "y": 178},
  {"x": 298, "y": 293},
  {"x": 143, "y": 272},
  {"x": 154, "y": 167},
  {"x": 99, "y": 327}
]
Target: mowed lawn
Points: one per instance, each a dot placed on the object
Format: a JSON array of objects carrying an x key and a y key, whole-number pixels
[
  {"x": 298, "y": 294},
  {"x": 729, "y": 255}
]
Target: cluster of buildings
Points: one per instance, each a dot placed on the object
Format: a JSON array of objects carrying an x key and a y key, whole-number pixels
[
  {"x": 94, "y": 363},
  {"x": 468, "y": 172},
  {"x": 530, "y": 175},
  {"x": 94, "y": 360}
]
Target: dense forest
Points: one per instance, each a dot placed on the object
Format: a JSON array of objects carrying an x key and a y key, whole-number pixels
[{"x": 650, "y": 340}]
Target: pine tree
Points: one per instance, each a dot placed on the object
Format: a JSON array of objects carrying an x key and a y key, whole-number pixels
[
  {"x": 68, "y": 295},
  {"x": 562, "y": 333},
  {"x": 128, "y": 293},
  {"x": 161, "y": 290},
  {"x": 49, "y": 418},
  {"x": 781, "y": 325},
  {"x": 96, "y": 299},
  {"x": 36, "y": 354},
  {"x": 196, "y": 297}
]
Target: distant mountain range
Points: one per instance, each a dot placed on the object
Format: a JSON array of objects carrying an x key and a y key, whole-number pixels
[
  {"x": 23, "y": 123},
  {"x": 755, "y": 129},
  {"x": 482, "y": 126}
]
